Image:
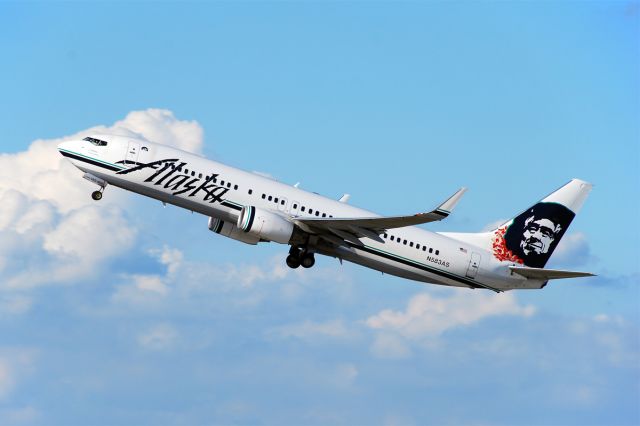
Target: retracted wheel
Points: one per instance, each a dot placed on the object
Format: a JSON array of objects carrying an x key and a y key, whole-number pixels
[
  {"x": 308, "y": 260},
  {"x": 292, "y": 262},
  {"x": 96, "y": 195}
]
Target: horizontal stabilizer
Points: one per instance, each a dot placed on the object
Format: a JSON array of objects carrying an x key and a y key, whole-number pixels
[{"x": 547, "y": 274}]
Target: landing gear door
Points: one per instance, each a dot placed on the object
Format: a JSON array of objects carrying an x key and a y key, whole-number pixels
[
  {"x": 474, "y": 264},
  {"x": 132, "y": 152}
]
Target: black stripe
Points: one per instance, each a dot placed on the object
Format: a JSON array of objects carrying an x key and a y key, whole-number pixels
[
  {"x": 219, "y": 226},
  {"x": 251, "y": 217},
  {"x": 453, "y": 277},
  {"x": 231, "y": 206},
  {"x": 86, "y": 160}
]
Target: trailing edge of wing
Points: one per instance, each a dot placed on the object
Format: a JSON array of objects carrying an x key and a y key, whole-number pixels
[
  {"x": 547, "y": 274},
  {"x": 379, "y": 224}
]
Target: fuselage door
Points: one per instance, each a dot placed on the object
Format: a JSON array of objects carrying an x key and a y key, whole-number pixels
[
  {"x": 132, "y": 152},
  {"x": 474, "y": 264}
]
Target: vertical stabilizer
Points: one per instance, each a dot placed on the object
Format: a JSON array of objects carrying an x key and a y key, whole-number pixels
[{"x": 531, "y": 237}]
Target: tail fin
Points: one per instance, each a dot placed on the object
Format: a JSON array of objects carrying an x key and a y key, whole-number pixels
[{"x": 531, "y": 237}]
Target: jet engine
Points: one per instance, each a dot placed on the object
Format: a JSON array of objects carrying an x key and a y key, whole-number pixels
[
  {"x": 265, "y": 225},
  {"x": 228, "y": 229},
  {"x": 255, "y": 225}
]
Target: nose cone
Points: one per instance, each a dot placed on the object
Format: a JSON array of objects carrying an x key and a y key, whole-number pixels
[{"x": 64, "y": 146}]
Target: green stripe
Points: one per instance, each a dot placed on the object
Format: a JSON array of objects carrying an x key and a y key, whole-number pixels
[
  {"x": 92, "y": 158},
  {"x": 410, "y": 260}
]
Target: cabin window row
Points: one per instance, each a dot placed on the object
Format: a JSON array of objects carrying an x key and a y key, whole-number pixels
[
  {"x": 193, "y": 173},
  {"x": 418, "y": 246}
]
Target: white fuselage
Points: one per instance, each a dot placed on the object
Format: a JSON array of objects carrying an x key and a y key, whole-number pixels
[{"x": 410, "y": 252}]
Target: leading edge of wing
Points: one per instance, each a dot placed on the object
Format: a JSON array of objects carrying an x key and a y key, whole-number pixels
[{"x": 377, "y": 224}]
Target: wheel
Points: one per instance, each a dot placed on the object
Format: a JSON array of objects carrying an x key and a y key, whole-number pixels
[
  {"x": 292, "y": 262},
  {"x": 308, "y": 261},
  {"x": 96, "y": 195}
]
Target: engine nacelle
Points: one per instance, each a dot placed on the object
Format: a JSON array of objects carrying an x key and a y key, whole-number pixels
[
  {"x": 230, "y": 230},
  {"x": 265, "y": 225}
]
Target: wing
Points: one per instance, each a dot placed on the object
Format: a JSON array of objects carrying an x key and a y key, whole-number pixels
[
  {"x": 547, "y": 274},
  {"x": 350, "y": 229}
]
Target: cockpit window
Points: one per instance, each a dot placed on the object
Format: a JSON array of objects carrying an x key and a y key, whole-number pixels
[{"x": 95, "y": 141}]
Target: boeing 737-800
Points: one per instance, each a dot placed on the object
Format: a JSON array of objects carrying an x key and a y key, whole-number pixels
[{"x": 252, "y": 209}]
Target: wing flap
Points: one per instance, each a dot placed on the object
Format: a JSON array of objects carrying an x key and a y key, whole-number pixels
[{"x": 547, "y": 274}]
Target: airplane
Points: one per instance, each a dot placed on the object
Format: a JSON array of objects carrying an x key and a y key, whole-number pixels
[{"x": 252, "y": 209}]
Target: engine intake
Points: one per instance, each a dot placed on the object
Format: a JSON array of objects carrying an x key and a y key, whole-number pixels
[
  {"x": 265, "y": 225},
  {"x": 230, "y": 230}
]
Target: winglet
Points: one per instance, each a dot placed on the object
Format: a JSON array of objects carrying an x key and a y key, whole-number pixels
[{"x": 446, "y": 207}]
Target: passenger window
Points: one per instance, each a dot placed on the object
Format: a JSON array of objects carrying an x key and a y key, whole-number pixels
[
  {"x": 437, "y": 252},
  {"x": 392, "y": 238},
  {"x": 324, "y": 215},
  {"x": 411, "y": 244},
  {"x": 310, "y": 211},
  {"x": 424, "y": 248},
  {"x": 404, "y": 242},
  {"x": 250, "y": 191},
  {"x": 302, "y": 208},
  {"x": 235, "y": 187},
  {"x": 199, "y": 175},
  {"x": 270, "y": 198},
  {"x": 186, "y": 171},
  {"x": 222, "y": 183},
  {"x": 228, "y": 184},
  {"x": 282, "y": 203},
  {"x": 276, "y": 200},
  {"x": 418, "y": 246},
  {"x": 193, "y": 173},
  {"x": 430, "y": 250},
  {"x": 317, "y": 213},
  {"x": 264, "y": 196},
  {"x": 295, "y": 206}
]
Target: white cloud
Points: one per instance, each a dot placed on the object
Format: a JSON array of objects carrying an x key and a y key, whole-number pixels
[
  {"x": 20, "y": 416},
  {"x": 14, "y": 364},
  {"x": 493, "y": 225},
  {"x": 159, "y": 337},
  {"x": 389, "y": 345},
  {"x": 14, "y": 304},
  {"x": 572, "y": 250},
  {"x": 50, "y": 229},
  {"x": 309, "y": 330},
  {"x": 431, "y": 316}
]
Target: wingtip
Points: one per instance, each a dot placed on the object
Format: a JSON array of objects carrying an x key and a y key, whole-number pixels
[{"x": 452, "y": 201}]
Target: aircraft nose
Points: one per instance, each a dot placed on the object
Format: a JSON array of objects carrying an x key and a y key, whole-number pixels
[{"x": 64, "y": 146}]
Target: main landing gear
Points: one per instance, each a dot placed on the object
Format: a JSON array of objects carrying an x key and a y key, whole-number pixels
[
  {"x": 300, "y": 256},
  {"x": 97, "y": 195}
]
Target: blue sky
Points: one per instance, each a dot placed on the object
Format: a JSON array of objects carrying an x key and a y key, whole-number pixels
[{"x": 125, "y": 312}]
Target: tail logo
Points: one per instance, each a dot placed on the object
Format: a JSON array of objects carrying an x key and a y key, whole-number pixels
[{"x": 533, "y": 235}]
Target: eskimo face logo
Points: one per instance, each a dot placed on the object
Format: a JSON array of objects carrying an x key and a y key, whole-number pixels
[
  {"x": 538, "y": 235},
  {"x": 169, "y": 174},
  {"x": 532, "y": 236}
]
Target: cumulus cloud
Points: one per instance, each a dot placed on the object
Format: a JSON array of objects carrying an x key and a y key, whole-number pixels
[
  {"x": 427, "y": 315},
  {"x": 50, "y": 229},
  {"x": 309, "y": 330},
  {"x": 159, "y": 337},
  {"x": 14, "y": 364},
  {"x": 572, "y": 250}
]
